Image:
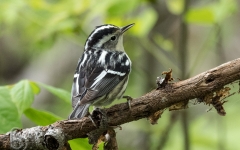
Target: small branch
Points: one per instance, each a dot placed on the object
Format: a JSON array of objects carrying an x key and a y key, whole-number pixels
[{"x": 56, "y": 135}]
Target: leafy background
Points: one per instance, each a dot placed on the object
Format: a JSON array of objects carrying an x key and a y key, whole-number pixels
[{"x": 41, "y": 41}]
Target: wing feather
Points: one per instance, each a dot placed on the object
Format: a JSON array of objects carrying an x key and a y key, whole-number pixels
[
  {"x": 91, "y": 81},
  {"x": 100, "y": 85},
  {"x": 78, "y": 86}
]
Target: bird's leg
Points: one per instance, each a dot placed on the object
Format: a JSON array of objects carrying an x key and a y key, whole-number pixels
[{"x": 129, "y": 99}]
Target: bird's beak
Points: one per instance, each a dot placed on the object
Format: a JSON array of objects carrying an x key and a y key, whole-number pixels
[{"x": 125, "y": 28}]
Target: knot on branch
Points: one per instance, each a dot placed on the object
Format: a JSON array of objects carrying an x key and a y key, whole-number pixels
[
  {"x": 54, "y": 139},
  {"x": 209, "y": 77},
  {"x": 51, "y": 142},
  {"x": 37, "y": 138}
]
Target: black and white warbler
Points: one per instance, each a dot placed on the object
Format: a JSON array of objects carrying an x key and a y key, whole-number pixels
[{"x": 102, "y": 71}]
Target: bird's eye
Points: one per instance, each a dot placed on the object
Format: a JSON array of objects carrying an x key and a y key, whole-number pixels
[{"x": 113, "y": 38}]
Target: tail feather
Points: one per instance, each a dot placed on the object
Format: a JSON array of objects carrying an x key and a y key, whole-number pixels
[{"x": 79, "y": 111}]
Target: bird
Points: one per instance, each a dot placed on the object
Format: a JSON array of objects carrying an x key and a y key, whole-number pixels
[{"x": 102, "y": 71}]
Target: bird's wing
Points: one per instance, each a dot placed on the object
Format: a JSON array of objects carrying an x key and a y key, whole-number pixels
[
  {"x": 86, "y": 88},
  {"x": 92, "y": 81},
  {"x": 100, "y": 82}
]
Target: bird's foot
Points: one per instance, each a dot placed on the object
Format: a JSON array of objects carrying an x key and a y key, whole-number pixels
[{"x": 129, "y": 99}]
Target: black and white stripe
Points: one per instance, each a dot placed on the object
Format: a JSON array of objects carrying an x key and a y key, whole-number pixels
[{"x": 116, "y": 61}]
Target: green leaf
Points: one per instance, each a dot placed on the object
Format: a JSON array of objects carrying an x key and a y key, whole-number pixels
[
  {"x": 40, "y": 117},
  {"x": 203, "y": 15},
  {"x": 8, "y": 111},
  {"x": 60, "y": 93},
  {"x": 22, "y": 95},
  {"x": 36, "y": 89},
  {"x": 175, "y": 6},
  {"x": 117, "y": 9},
  {"x": 77, "y": 144}
]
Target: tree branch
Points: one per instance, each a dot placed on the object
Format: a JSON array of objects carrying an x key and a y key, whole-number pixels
[{"x": 56, "y": 135}]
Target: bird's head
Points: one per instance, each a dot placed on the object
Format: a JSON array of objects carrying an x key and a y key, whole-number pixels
[{"x": 109, "y": 37}]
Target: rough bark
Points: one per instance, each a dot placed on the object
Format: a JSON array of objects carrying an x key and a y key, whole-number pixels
[{"x": 56, "y": 135}]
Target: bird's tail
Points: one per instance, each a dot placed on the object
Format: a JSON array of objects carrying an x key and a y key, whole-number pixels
[{"x": 79, "y": 111}]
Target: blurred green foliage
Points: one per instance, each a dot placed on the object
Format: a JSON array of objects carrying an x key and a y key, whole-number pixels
[
  {"x": 17, "y": 100},
  {"x": 212, "y": 14},
  {"x": 29, "y": 29}
]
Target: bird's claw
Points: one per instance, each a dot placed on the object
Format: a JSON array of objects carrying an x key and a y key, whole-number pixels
[
  {"x": 90, "y": 117},
  {"x": 129, "y": 99}
]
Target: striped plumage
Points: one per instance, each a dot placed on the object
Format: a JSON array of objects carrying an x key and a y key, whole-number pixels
[{"x": 102, "y": 71}]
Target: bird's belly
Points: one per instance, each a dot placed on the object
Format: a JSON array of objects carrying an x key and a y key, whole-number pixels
[{"x": 116, "y": 93}]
